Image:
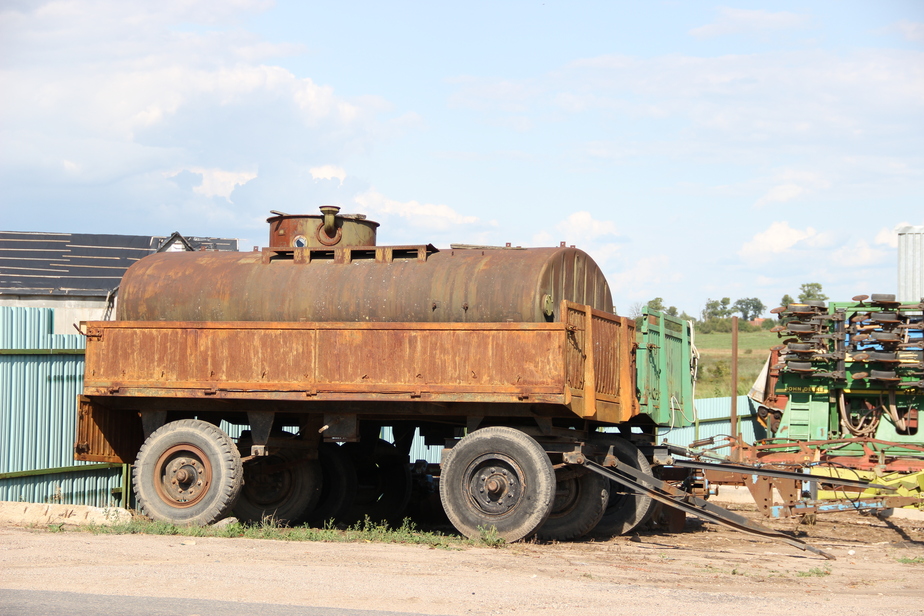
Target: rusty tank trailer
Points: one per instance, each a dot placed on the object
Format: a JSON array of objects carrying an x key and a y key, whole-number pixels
[
  {"x": 302, "y": 278},
  {"x": 510, "y": 358}
]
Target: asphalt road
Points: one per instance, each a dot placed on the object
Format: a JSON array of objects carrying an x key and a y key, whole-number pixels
[{"x": 49, "y": 603}]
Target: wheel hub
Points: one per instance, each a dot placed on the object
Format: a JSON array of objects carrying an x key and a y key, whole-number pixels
[
  {"x": 495, "y": 484},
  {"x": 183, "y": 475},
  {"x": 267, "y": 483}
]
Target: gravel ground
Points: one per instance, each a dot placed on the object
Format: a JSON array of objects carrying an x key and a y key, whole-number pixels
[{"x": 703, "y": 570}]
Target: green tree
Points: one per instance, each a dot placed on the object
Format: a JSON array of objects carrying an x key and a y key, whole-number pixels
[
  {"x": 811, "y": 291},
  {"x": 749, "y": 307},
  {"x": 657, "y": 304},
  {"x": 787, "y": 300},
  {"x": 717, "y": 309}
]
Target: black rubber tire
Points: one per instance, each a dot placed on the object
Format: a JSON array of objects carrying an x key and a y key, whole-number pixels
[
  {"x": 579, "y": 504},
  {"x": 800, "y": 328},
  {"x": 883, "y": 356},
  {"x": 383, "y": 484},
  {"x": 801, "y": 347},
  {"x": 513, "y": 462},
  {"x": 338, "y": 491},
  {"x": 800, "y": 366},
  {"x": 287, "y": 496},
  {"x": 190, "y": 453},
  {"x": 882, "y": 297},
  {"x": 626, "y": 511}
]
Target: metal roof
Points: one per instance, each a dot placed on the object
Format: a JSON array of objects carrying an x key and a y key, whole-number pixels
[{"x": 81, "y": 264}]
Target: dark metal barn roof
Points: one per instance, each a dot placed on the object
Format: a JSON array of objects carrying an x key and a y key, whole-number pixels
[{"x": 82, "y": 264}]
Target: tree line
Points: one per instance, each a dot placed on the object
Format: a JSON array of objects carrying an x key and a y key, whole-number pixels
[{"x": 717, "y": 313}]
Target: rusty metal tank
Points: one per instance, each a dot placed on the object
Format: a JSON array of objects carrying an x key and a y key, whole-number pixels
[
  {"x": 326, "y": 229},
  {"x": 362, "y": 283}
]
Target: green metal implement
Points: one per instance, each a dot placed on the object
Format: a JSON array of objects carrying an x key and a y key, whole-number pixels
[{"x": 664, "y": 364}]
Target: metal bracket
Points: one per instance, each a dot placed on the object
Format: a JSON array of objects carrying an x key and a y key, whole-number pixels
[
  {"x": 545, "y": 425},
  {"x": 261, "y": 424}
]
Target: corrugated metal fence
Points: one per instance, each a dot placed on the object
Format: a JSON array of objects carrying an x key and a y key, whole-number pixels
[
  {"x": 41, "y": 375},
  {"x": 713, "y": 418}
]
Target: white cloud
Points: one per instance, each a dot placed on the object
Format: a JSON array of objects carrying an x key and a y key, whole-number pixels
[
  {"x": 220, "y": 183},
  {"x": 642, "y": 280},
  {"x": 779, "y": 239},
  {"x": 889, "y": 237},
  {"x": 742, "y": 21},
  {"x": 425, "y": 215},
  {"x": 795, "y": 184},
  {"x": 600, "y": 239},
  {"x": 913, "y": 31},
  {"x": 741, "y": 108},
  {"x": 328, "y": 172},
  {"x": 780, "y": 194},
  {"x": 857, "y": 254},
  {"x": 119, "y": 99},
  {"x": 581, "y": 226}
]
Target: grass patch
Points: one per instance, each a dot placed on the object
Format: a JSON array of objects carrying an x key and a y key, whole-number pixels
[
  {"x": 488, "y": 537},
  {"x": 714, "y": 378},
  {"x": 362, "y": 532},
  {"x": 814, "y": 572},
  {"x": 907, "y": 560}
]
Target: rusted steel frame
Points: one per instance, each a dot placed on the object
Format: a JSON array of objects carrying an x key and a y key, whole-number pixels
[
  {"x": 600, "y": 363},
  {"x": 774, "y": 401},
  {"x": 775, "y": 473},
  {"x": 864, "y": 503},
  {"x": 515, "y": 397},
  {"x": 816, "y": 452},
  {"x": 854, "y": 462},
  {"x": 312, "y": 376},
  {"x": 733, "y": 419},
  {"x": 590, "y": 380},
  {"x": 667, "y": 494},
  {"x": 844, "y": 441},
  {"x": 451, "y": 412},
  {"x": 348, "y": 254},
  {"x": 93, "y": 328},
  {"x": 102, "y": 387},
  {"x": 106, "y": 435}
]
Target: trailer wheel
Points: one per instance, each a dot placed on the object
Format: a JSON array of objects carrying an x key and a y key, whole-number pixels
[
  {"x": 187, "y": 472},
  {"x": 497, "y": 477},
  {"x": 626, "y": 510},
  {"x": 338, "y": 490},
  {"x": 383, "y": 483},
  {"x": 580, "y": 502},
  {"x": 283, "y": 486}
]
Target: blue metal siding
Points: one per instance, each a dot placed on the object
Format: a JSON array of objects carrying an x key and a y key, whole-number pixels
[
  {"x": 419, "y": 449},
  {"x": 38, "y": 411},
  {"x": 713, "y": 419}
]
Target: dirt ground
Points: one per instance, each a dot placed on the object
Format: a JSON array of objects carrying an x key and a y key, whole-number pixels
[{"x": 703, "y": 570}]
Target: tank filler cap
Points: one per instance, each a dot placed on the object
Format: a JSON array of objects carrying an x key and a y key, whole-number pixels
[{"x": 329, "y": 226}]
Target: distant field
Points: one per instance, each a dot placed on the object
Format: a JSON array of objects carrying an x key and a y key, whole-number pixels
[{"x": 715, "y": 361}]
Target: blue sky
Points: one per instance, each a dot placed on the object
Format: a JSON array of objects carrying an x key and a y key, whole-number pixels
[{"x": 695, "y": 150}]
